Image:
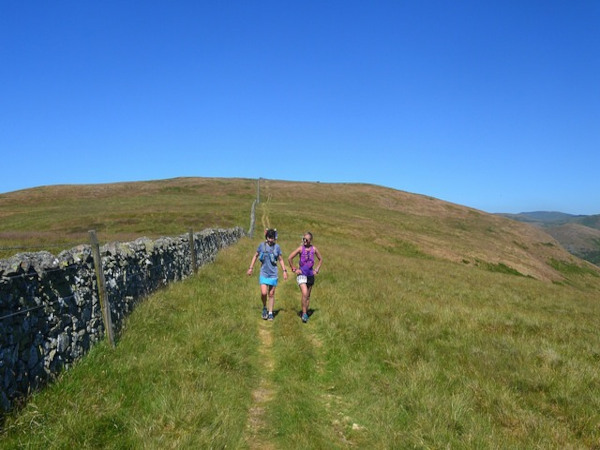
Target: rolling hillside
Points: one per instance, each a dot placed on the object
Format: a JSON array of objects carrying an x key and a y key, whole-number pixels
[
  {"x": 400, "y": 222},
  {"x": 46, "y": 217},
  {"x": 580, "y": 235},
  {"x": 432, "y": 325}
]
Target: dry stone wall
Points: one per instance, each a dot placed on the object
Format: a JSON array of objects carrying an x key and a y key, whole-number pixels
[{"x": 50, "y": 313}]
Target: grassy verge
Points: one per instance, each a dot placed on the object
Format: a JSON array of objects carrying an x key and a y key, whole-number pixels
[{"x": 179, "y": 377}]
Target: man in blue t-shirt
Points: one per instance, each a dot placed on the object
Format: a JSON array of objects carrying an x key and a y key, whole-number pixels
[{"x": 269, "y": 254}]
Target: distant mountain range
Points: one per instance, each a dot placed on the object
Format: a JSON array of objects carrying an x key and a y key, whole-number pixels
[{"x": 579, "y": 235}]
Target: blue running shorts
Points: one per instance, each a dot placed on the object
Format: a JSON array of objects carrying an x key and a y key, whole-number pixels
[{"x": 268, "y": 281}]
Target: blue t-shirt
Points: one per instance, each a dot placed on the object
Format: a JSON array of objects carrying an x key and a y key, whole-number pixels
[{"x": 268, "y": 256}]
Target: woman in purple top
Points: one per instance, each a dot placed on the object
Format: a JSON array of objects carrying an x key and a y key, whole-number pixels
[{"x": 306, "y": 270}]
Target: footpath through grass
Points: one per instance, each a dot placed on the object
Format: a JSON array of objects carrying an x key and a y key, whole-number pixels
[{"x": 402, "y": 351}]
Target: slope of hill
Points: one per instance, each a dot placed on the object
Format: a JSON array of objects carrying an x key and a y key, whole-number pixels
[
  {"x": 59, "y": 217},
  {"x": 580, "y": 235},
  {"x": 46, "y": 217},
  {"x": 433, "y": 326},
  {"x": 398, "y": 221},
  {"x": 579, "y": 240}
]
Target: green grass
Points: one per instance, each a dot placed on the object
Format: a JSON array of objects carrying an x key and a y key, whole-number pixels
[
  {"x": 180, "y": 377},
  {"x": 569, "y": 268},
  {"x": 404, "y": 349},
  {"x": 56, "y": 218},
  {"x": 501, "y": 268}
]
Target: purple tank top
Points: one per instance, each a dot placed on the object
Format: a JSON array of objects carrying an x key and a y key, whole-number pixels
[{"x": 307, "y": 261}]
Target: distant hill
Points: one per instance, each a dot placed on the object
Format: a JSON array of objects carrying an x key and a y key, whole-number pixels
[{"x": 578, "y": 234}]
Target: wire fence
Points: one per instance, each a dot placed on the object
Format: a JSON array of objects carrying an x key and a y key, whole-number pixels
[
  {"x": 41, "y": 246},
  {"x": 130, "y": 276},
  {"x": 46, "y": 303},
  {"x": 147, "y": 272},
  {"x": 36, "y": 274},
  {"x": 34, "y": 308}
]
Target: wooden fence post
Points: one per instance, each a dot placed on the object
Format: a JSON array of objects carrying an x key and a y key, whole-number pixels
[
  {"x": 252, "y": 219},
  {"x": 104, "y": 302},
  {"x": 193, "y": 252}
]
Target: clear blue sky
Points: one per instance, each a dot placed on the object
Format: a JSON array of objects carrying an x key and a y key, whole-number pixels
[{"x": 489, "y": 104}]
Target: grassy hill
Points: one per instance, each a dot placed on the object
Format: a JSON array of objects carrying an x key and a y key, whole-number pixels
[
  {"x": 56, "y": 217},
  {"x": 433, "y": 325},
  {"x": 580, "y": 240},
  {"x": 580, "y": 235}
]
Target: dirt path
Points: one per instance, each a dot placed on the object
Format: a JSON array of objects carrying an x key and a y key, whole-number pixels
[
  {"x": 263, "y": 394},
  {"x": 256, "y": 426}
]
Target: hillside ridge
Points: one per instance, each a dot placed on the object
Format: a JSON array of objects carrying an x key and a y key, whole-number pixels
[{"x": 407, "y": 223}]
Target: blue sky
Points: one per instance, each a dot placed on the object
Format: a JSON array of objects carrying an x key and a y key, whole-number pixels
[{"x": 489, "y": 104}]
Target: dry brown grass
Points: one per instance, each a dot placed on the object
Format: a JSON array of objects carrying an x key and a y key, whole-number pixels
[
  {"x": 125, "y": 211},
  {"x": 437, "y": 228}
]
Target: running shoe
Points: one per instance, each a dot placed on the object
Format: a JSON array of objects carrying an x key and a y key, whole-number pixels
[
  {"x": 304, "y": 317},
  {"x": 270, "y": 316},
  {"x": 265, "y": 314}
]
